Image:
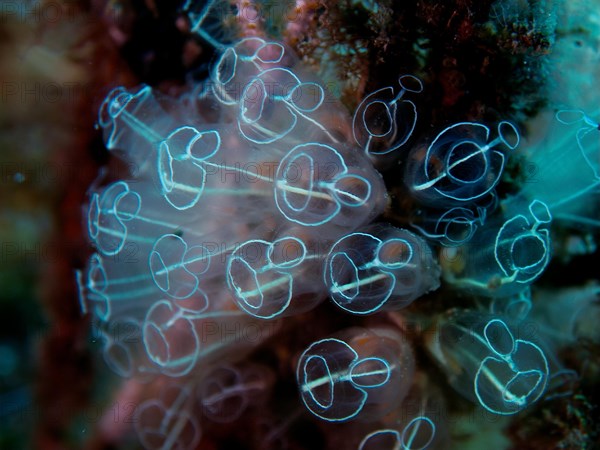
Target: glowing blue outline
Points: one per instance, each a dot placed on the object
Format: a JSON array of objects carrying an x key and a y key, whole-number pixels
[{"x": 391, "y": 110}]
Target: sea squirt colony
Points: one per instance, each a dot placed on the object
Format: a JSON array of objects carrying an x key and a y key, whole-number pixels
[{"x": 254, "y": 197}]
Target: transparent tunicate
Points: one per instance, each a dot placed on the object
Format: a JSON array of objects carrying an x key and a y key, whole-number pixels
[
  {"x": 379, "y": 268},
  {"x": 418, "y": 434},
  {"x": 418, "y": 423},
  {"x": 168, "y": 421},
  {"x": 462, "y": 165},
  {"x": 516, "y": 307},
  {"x": 206, "y": 20},
  {"x": 586, "y": 136},
  {"x": 360, "y": 373},
  {"x": 384, "y": 120},
  {"x": 272, "y": 279},
  {"x": 489, "y": 362},
  {"x": 122, "y": 348},
  {"x": 505, "y": 258},
  {"x": 314, "y": 184},
  {"x": 241, "y": 62},
  {"x": 452, "y": 227},
  {"x": 179, "y": 336},
  {"x": 228, "y": 391}
]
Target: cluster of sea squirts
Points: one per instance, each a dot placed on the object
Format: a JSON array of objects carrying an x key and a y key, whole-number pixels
[{"x": 256, "y": 197}]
